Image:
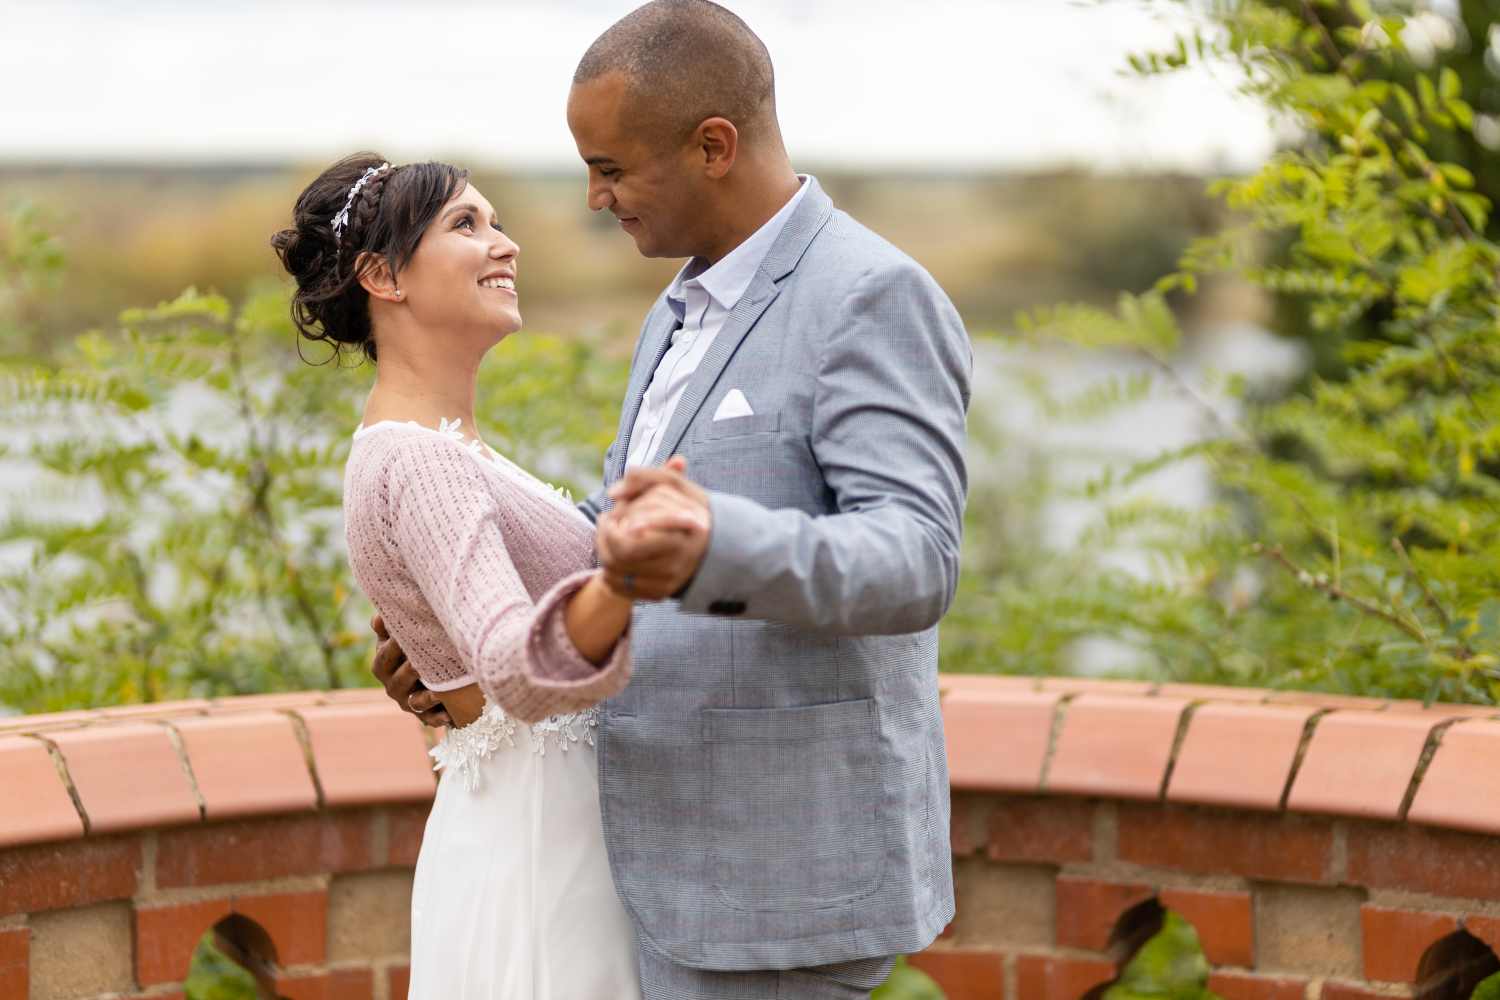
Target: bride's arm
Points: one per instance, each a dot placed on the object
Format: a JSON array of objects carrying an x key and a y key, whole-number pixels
[{"x": 561, "y": 653}]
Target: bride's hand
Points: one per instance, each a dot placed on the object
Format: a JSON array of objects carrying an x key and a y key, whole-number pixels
[{"x": 463, "y": 705}]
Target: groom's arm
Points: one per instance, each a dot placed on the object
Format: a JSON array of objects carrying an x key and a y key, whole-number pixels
[
  {"x": 888, "y": 434},
  {"x": 598, "y": 502}
]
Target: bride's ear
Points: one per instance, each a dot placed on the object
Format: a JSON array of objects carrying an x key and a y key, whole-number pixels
[{"x": 376, "y": 277}]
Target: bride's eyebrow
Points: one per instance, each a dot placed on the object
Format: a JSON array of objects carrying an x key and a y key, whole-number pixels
[{"x": 474, "y": 209}]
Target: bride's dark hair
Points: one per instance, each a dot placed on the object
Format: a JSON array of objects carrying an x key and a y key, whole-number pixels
[{"x": 386, "y": 220}]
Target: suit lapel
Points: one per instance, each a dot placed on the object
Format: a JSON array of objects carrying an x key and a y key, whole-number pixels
[
  {"x": 757, "y": 298},
  {"x": 781, "y": 260},
  {"x": 655, "y": 341}
]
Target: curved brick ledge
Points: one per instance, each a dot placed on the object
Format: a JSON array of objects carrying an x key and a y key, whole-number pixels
[
  {"x": 1324, "y": 848},
  {"x": 1321, "y": 846},
  {"x": 1240, "y": 748}
]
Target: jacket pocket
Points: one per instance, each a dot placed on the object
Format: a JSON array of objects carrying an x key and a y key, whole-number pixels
[
  {"x": 755, "y": 423},
  {"x": 794, "y": 801}
]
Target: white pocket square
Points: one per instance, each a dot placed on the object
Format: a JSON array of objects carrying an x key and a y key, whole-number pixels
[{"x": 733, "y": 405}]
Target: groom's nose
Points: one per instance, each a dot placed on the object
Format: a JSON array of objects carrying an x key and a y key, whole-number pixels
[{"x": 600, "y": 196}]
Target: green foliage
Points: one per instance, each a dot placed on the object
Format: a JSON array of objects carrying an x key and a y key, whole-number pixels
[
  {"x": 182, "y": 535},
  {"x": 1489, "y": 989},
  {"x": 1352, "y": 546},
  {"x": 213, "y": 975},
  {"x": 1170, "y": 966},
  {"x": 908, "y": 983},
  {"x": 31, "y": 263}
]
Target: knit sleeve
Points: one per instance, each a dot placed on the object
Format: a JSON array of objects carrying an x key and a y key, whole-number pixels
[{"x": 446, "y": 523}]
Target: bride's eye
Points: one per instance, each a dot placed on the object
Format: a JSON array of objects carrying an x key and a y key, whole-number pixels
[
  {"x": 465, "y": 221},
  {"x": 497, "y": 227}
]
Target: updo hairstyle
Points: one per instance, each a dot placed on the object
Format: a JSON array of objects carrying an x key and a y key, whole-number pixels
[{"x": 386, "y": 220}]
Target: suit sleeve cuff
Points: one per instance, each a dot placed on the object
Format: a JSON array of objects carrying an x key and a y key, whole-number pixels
[{"x": 721, "y": 582}]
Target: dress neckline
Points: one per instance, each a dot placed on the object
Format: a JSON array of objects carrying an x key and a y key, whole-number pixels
[{"x": 451, "y": 429}]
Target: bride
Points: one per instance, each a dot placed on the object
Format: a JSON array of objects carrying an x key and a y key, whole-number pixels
[{"x": 485, "y": 576}]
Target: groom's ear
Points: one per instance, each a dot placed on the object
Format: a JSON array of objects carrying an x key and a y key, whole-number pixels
[
  {"x": 376, "y": 276},
  {"x": 719, "y": 142}
]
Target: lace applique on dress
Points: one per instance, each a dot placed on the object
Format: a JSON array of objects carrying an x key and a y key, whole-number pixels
[
  {"x": 463, "y": 749},
  {"x": 565, "y": 731}
]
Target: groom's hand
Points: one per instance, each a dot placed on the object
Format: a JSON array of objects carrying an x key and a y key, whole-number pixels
[
  {"x": 652, "y": 543},
  {"x": 399, "y": 678}
]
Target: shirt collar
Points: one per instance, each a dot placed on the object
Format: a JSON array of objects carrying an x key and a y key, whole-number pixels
[{"x": 727, "y": 281}]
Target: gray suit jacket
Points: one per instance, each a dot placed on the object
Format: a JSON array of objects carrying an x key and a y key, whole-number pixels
[{"x": 773, "y": 781}]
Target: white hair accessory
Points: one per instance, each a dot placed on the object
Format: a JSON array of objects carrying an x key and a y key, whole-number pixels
[{"x": 342, "y": 219}]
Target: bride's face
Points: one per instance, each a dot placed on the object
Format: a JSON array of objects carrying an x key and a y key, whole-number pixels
[{"x": 463, "y": 274}]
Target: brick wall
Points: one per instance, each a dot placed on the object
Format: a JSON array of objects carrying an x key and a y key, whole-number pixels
[
  {"x": 1325, "y": 848},
  {"x": 126, "y": 834},
  {"x": 1322, "y": 847}
]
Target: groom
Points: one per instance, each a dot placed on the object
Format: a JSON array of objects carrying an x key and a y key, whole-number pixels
[{"x": 773, "y": 781}]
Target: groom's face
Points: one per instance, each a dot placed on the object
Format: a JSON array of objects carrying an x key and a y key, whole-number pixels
[{"x": 644, "y": 179}]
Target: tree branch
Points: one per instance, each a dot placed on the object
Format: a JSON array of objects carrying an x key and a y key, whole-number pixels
[{"x": 1322, "y": 584}]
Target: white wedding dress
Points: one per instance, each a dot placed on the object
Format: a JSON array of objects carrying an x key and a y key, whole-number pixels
[{"x": 513, "y": 898}]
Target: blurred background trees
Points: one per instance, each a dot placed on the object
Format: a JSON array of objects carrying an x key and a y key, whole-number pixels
[{"x": 1150, "y": 496}]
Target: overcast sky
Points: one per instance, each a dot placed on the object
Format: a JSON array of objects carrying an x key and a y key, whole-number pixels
[{"x": 861, "y": 83}]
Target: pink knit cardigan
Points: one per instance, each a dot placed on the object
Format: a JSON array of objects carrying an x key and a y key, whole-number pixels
[{"x": 470, "y": 560}]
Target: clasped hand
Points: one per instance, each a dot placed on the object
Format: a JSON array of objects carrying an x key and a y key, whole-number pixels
[{"x": 653, "y": 541}]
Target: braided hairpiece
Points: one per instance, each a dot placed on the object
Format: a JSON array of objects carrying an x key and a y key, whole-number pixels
[{"x": 341, "y": 221}]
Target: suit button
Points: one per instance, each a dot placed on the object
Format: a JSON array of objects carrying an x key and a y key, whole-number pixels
[{"x": 727, "y": 608}]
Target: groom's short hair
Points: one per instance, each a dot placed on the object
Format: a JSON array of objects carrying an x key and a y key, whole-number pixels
[{"x": 686, "y": 61}]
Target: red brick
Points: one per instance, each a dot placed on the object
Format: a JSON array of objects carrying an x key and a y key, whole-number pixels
[
  {"x": 1115, "y": 746},
  {"x": 156, "y": 709},
  {"x": 1093, "y": 685},
  {"x": 128, "y": 776},
  {"x": 370, "y": 695},
  {"x": 247, "y": 764},
  {"x": 1042, "y": 977},
  {"x": 278, "y": 847},
  {"x": 963, "y": 975},
  {"x": 1224, "y": 921},
  {"x": 28, "y": 775},
  {"x": 407, "y": 824},
  {"x": 400, "y": 982},
  {"x": 1486, "y": 929},
  {"x": 1087, "y": 910},
  {"x": 339, "y": 984},
  {"x": 1241, "y": 986},
  {"x": 1395, "y": 940},
  {"x": 997, "y": 740},
  {"x": 1461, "y": 789},
  {"x": 166, "y": 936},
  {"x": 1210, "y": 693},
  {"x": 1442, "y": 862},
  {"x": 1056, "y": 830},
  {"x": 272, "y": 702},
  {"x": 1212, "y": 767},
  {"x": 1360, "y": 764},
  {"x": 1350, "y": 991},
  {"x": 47, "y": 721},
  {"x": 948, "y": 683},
  {"x": 54, "y": 876},
  {"x": 15, "y": 954},
  {"x": 1284, "y": 848},
  {"x": 351, "y": 984},
  {"x": 1320, "y": 699},
  {"x": 368, "y": 752},
  {"x": 296, "y": 921}
]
